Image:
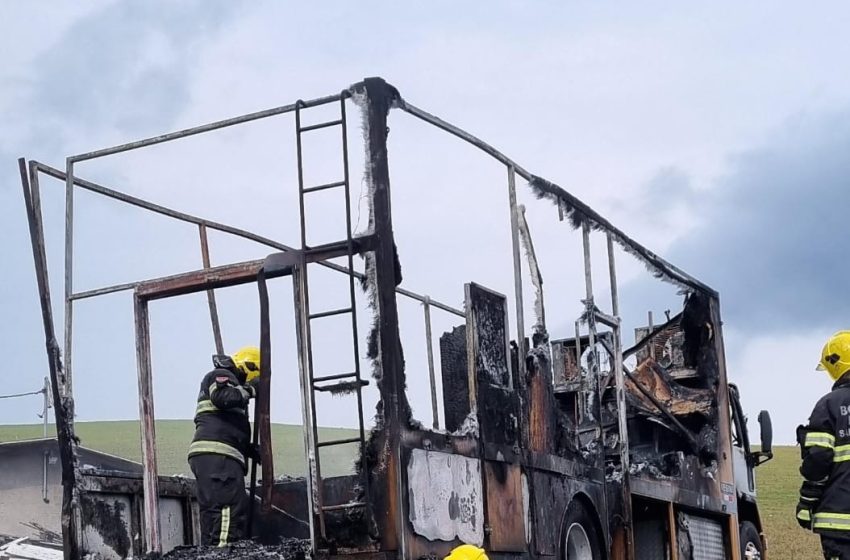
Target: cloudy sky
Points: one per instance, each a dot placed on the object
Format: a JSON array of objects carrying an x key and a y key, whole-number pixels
[{"x": 715, "y": 133}]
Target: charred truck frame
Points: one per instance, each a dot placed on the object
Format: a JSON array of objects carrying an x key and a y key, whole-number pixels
[{"x": 551, "y": 448}]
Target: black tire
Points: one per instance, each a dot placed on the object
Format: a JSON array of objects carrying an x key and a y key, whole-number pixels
[
  {"x": 580, "y": 538},
  {"x": 750, "y": 542}
]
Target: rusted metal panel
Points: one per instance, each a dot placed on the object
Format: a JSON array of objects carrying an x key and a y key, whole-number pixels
[
  {"x": 445, "y": 496},
  {"x": 505, "y": 507}
]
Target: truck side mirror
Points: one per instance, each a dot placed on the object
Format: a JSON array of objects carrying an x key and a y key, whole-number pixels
[{"x": 766, "y": 453}]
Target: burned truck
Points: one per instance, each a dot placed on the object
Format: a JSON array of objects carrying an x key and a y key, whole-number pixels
[{"x": 551, "y": 437}]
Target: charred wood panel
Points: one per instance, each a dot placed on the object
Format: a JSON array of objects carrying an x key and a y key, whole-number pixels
[
  {"x": 491, "y": 378},
  {"x": 540, "y": 406},
  {"x": 453, "y": 362},
  {"x": 505, "y": 511},
  {"x": 488, "y": 310},
  {"x": 549, "y": 496}
]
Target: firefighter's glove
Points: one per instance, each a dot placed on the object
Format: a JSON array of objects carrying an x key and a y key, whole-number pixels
[
  {"x": 253, "y": 386},
  {"x": 247, "y": 392},
  {"x": 810, "y": 495},
  {"x": 804, "y": 515}
]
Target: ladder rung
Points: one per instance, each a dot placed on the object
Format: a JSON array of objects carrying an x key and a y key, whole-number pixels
[
  {"x": 330, "y": 313},
  {"x": 323, "y": 187},
  {"x": 349, "y": 505},
  {"x": 338, "y": 442},
  {"x": 335, "y": 376},
  {"x": 348, "y": 385},
  {"x": 320, "y": 125}
]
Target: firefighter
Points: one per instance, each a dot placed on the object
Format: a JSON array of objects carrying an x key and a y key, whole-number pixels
[
  {"x": 467, "y": 552},
  {"x": 824, "y": 505},
  {"x": 222, "y": 445}
]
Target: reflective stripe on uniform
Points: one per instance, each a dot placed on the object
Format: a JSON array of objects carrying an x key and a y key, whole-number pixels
[
  {"x": 832, "y": 521},
  {"x": 225, "y": 526},
  {"x": 804, "y": 514},
  {"x": 819, "y": 439},
  {"x": 842, "y": 453},
  {"x": 217, "y": 448},
  {"x": 206, "y": 406}
]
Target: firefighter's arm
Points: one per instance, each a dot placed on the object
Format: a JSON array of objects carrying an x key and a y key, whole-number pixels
[
  {"x": 817, "y": 444},
  {"x": 226, "y": 392},
  {"x": 817, "y": 448}
]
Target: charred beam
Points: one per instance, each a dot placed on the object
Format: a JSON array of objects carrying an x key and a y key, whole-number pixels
[
  {"x": 63, "y": 405},
  {"x": 377, "y": 98}
]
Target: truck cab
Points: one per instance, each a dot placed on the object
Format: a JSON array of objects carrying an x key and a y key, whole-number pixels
[{"x": 745, "y": 461}]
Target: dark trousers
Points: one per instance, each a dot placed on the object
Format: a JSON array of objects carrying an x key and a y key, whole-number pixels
[
  {"x": 222, "y": 499},
  {"x": 835, "y": 549}
]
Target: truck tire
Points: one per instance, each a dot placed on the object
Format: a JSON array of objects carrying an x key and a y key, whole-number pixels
[
  {"x": 581, "y": 538},
  {"x": 751, "y": 545}
]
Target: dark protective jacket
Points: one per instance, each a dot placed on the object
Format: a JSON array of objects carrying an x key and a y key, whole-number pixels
[
  {"x": 221, "y": 417},
  {"x": 826, "y": 462}
]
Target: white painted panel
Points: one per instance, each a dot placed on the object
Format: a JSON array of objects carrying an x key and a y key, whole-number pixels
[
  {"x": 445, "y": 493},
  {"x": 171, "y": 523}
]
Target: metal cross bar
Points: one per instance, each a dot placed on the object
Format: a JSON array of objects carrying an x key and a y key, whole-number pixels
[
  {"x": 205, "y": 128},
  {"x": 210, "y": 225}
]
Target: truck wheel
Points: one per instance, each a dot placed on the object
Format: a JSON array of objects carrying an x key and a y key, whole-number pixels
[
  {"x": 751, "y": 545},
  {"x": 581, "y": 539}
]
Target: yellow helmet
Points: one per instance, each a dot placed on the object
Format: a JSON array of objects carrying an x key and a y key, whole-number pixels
[
  {"x": 247, "y": 359},
  {"x": 467, "y": 552},
  {"x": 835, "y": 356}
]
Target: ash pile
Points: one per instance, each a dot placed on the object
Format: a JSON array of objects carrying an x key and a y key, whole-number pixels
[{"x": 288, "y": 549}]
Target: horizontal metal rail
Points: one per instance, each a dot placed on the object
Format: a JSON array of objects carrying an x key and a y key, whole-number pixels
[
  {"x": 333, "y": 442},
  {"x": 209, "y": 224},
  {"x": 320, "y": 125},
  {"x": 207, "y": 127},
  {"x": 325, "y": 186},
  {"x": 664, "y": 267}
]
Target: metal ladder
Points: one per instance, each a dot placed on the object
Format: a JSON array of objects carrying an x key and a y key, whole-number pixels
[{"x": 351, "y": 381}]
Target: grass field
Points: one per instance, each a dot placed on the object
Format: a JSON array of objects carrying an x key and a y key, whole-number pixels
[
  {"x": 778, "y": 480},
  {"x": 778, "y": 485},
  {"x": 123, "y": 438}
]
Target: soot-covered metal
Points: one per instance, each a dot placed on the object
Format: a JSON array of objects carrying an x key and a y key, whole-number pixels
[{"x": 534, "y": 433}]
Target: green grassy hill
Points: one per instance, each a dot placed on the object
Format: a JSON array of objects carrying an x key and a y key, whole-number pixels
[
  {"x": 123, "y": 438},
  {"x": 778, "y": 484},
  {"x": 778, "y": 480}
]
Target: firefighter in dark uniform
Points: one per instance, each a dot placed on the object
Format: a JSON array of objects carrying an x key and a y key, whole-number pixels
[
  {"x": 221, "y": 447},
  {"x": 824, "y": 505}
]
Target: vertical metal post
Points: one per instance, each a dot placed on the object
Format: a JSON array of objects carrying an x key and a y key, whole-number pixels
[
  {"x": 517, "y": 261},
  {"x": 46, "y": 406},
  {"x": 393, "y": 522},
  {"x": 146, "y": 415},
  {"x": 216, "y": 327},
  {"x": 429, "y": 346},
  {"x": 44, "y": 417},
  {"x": 592, "y": 363},
  {"x": 302, "y": 329},
  {"x": 622, "y": 419},
  {"x": 651, "y": 327},
  {"x": 588, "y": 277},
  {"x": 63, "y": 404},
  {"x": 612, "y": 271},
  {"x": 67, "y": 388}
]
